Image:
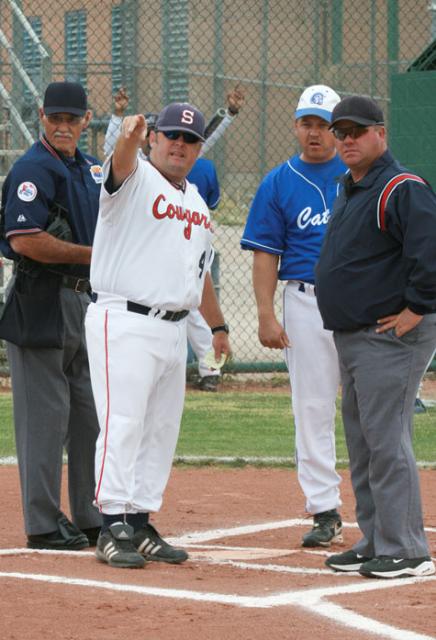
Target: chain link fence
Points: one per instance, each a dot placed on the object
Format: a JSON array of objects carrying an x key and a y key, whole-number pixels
[{"x": 200, "y": 50}]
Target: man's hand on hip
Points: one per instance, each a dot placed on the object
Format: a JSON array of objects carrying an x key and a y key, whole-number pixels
[{"x": 401, "y": 322}]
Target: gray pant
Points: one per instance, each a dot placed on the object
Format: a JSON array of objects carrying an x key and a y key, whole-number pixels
[
  {"x": 54, "y": 408},
  {"x": 380, "y": 378}
]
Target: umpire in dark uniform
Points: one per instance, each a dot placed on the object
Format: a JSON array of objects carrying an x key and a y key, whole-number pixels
[
  {"x": 49, "y": 205},
  {"x": 376, "y": 289}
]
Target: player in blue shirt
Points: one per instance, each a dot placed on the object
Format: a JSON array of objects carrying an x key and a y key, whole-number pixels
[
  {"x": 285, "y": 228},
  {"x": 203, "y": 175}
]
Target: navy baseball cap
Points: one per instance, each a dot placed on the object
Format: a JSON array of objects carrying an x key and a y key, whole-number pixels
[
  {"x": 65, "y": 97},
  {"x": 358, "y": 109},
  {"x": 181, "y": 116}
]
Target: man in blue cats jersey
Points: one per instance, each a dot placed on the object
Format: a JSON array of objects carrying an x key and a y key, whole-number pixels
[{"x": 285, "y": 228}]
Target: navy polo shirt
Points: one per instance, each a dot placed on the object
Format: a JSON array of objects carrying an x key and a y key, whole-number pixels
[{"x": 43, "y": 177}]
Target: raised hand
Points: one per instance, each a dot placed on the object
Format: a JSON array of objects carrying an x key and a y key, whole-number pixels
[
  {"x": 134, "y": 128},
  {"x": 235, "y": 100},
  {"x": 121, "y": 102}
]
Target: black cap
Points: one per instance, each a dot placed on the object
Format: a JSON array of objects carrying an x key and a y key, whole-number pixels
[
  {"x": 357, "y": 109},
  {"x": 65, "y": 97},
  {"x": 181, "y": 116}
]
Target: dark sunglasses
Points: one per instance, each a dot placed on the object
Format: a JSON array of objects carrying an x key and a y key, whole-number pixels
[
  {"x": 189, "y": 138},
  {"x": 354, "y": 132}
]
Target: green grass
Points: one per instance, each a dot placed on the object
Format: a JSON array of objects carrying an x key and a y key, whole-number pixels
[
  {"x": 242, "y": 424},
  {"x": 260, "y": 424},
  {"x": 236, "y": 424},
  {"x": 7, "y": 438}
]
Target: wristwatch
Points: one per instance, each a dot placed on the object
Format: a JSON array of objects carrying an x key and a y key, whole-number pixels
[{"x": 222, "y": 327}]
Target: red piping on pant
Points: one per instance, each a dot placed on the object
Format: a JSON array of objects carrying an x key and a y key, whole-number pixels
[{"x": 106, "y": 350}]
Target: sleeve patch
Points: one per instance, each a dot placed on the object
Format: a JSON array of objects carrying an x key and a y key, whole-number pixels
[
  {"x": 97, "y": 173},
  {"x": 27, "y": 191}
]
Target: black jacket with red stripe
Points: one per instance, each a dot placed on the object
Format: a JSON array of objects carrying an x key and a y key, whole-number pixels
[{"x": 379, "y": 252}]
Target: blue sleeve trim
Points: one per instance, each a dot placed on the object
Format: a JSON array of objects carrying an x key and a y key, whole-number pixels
[
  {"x": 214, "y": 204},
  {"x": 248, "y": 244}
]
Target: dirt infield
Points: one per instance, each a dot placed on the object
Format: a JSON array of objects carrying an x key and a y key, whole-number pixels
[{"x": 248, "y": 578}]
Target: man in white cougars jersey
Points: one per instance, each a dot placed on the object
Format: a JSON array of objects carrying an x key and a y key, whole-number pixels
[{"x": 149, "y": 268}]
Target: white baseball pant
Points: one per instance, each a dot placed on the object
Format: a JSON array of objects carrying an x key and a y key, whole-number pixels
[
  {"x": 138, "y": 369},
  {"x": 314, "y": 375}
]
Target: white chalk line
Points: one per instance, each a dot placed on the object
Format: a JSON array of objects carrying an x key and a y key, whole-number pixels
[
  {"x": 309, "y": 599},
  {"x": 197, "y": 537}
]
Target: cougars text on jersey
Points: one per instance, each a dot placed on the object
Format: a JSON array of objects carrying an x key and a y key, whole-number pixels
[{"x": 179, "y": 213}]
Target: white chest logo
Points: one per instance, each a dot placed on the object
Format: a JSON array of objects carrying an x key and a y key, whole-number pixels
[
  {"x": 305, "y": 218},
  {"x": 27, "y": 191}
]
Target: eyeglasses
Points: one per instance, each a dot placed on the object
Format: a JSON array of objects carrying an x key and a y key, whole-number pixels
[
  {"x": 58, "y": 118},
  {"x": 189, "y": 138},
  {"x": 354, "y": 132}
]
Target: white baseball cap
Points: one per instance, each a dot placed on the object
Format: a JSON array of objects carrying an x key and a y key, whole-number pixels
[{"x": 317, "y": 100}]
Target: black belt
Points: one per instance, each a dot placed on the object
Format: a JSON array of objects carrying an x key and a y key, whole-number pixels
[
  {"x": 79, "y": 285},
  {"x": 171, "y": 316}
]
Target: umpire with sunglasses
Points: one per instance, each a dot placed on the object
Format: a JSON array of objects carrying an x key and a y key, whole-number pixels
[{"x": 376, "y": 289}]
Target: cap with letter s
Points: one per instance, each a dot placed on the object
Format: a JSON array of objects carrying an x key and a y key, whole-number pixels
[
  {"x": 317, "y": 100},
  {"x": 181, "y": 116},
  {"x": 358, "y": 109},
  {"x": 65, "y": 97}
]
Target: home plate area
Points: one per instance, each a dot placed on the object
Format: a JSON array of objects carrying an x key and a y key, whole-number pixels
[{"x": 229, "y": 567}]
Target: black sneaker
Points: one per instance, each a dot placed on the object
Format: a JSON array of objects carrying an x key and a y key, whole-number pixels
[
  {"x": 115, "y": 547},
  {"x": 387, "y": 567},
  {"x": 67, "y": 537},
  {"x": 347, "y": 561},
  {"x": 209, "y": 383},
  {"x": 150, "y": 544},
  {"x": 327, "y": 528}
]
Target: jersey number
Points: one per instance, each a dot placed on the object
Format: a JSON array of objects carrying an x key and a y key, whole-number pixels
[{"x": 201, "y": 263}]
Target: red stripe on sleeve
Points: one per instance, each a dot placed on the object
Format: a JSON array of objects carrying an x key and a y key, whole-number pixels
[{"x": 387, "y": 191}]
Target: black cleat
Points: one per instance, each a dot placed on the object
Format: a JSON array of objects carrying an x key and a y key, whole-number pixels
[
  {"x": 209, "y": 383},
  {"x": 327, "y": 528},
  {"x": 115, "y": 547},
  {"x": 67, "y": 537},
  {"x": 153, "y": 547}
]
